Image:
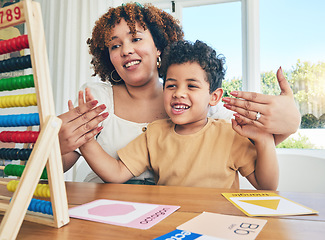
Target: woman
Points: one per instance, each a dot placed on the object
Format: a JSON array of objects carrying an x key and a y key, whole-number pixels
[{"x": 127, "y": 44}]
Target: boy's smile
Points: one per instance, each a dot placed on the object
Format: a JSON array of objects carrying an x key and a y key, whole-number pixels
[{"x": 187, "y": 97}]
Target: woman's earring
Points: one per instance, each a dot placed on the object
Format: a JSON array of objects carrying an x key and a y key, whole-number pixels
[
  {"x": 114, "y": 80},
  {"x": 158, "y": 62}
]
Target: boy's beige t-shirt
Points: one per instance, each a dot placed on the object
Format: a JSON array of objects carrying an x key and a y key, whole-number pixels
[{"x": 208, "y": 158}]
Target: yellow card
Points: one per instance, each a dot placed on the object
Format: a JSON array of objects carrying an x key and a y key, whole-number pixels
[{"x": 266, "y": 204}]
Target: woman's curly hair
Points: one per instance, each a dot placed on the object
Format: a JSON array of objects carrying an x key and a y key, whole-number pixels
[
  {"x": 163, "y": 27},
  {"x": 199, "y": 52}
]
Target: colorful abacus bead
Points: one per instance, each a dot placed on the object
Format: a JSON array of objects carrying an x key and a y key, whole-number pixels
[
  {"x": 17, "y": 170},
  {"x": 19, "y": 136},
  {"x": 14, "y": 44},
  {"x": 42, "y": 190},
  {"x": 9, "y": 84},
  {"x": 37, "y": 205},
  {"x": 14, "y": 64},
  {"x": 22, "y": 100}
]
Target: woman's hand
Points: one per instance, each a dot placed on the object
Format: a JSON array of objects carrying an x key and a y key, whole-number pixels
[
  {"x": 80, "y": 124},
  {"x": 278, "y": 114}
]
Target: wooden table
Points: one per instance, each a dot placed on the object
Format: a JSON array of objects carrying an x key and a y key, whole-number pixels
[{"x": 193, "y": 201}]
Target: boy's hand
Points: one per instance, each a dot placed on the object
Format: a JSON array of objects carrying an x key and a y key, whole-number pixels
[{"x": 248, "y": 130}]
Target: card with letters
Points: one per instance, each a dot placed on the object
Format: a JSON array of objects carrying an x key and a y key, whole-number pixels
[
  {"x": 127, "y": 214},
  {"x": 220, "y": 226},
  {"x": 185, "y": 235},
  {"x": 266, "y": 204}
]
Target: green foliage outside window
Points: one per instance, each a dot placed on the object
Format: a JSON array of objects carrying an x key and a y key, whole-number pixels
[
  {"x": 307, "y": 82},
  {"x": 302, "y": 142}
]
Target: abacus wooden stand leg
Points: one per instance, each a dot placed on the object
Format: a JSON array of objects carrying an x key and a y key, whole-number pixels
[{"x": 46, "y": 150}]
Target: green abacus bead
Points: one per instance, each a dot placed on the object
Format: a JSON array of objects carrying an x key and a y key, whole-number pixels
[
  {"x": 31, "y": 81},
  {"x": 14, "y": 83}
]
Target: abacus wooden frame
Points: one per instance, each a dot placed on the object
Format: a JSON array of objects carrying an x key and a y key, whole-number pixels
[{"x": 47, "y": 149}]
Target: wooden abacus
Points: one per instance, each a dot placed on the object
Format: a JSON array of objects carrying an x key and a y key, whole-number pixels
[{"x": 46, "y": 150}]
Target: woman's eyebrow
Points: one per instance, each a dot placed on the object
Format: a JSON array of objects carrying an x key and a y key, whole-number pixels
[{"x": 130, "y": 33}]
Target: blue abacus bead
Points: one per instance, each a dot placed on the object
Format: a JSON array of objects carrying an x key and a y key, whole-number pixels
[
  {"x": 3, "y": 121},
  {"x": 12, "y": 155},
  {"x": 48, "y": 209},
  {"x": 1, "y": 153},
  {"x": 15, "y": 120},
  {"x": 32, "y": 205},
  {"x": 24, "y": 120},
  {"x": 21, "y": 154},
  {"x": 12, "y": 121},
  {"x": 27, "y": 62},
  {"x": 37, "y": 205},
  {"x": 6, "y": 154},
  {"x": 43, "y": 207},
  {"x": 31, "y": 119},
  {"x": 14, "y": 63},
  {"x": 36, "y": 119},
  {"x": 6, "y": 121},
  {"x": 27, "y": 153}
]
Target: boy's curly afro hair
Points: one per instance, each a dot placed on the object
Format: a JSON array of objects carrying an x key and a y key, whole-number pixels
[
  {"x": 199, "y": 52},
  {"x": 162, "y": 26}
]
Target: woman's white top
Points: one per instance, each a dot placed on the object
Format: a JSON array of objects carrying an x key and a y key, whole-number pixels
[{"x": 118, "y": 132}]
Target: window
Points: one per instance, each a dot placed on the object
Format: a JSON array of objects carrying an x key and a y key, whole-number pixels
[
  {"x": 219, "y": 25},
  {"x": 292, "y": 36}
]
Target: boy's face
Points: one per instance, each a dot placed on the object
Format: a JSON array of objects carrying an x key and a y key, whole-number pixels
[{"x": 186, "y": 95}]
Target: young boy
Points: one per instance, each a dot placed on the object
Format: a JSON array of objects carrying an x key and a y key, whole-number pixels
[{"x": 190, "y": 149}]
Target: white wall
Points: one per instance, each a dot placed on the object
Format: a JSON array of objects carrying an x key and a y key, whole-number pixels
[{"x": 300, "y": 171}]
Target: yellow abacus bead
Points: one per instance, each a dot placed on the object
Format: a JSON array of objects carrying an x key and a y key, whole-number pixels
[
  {"x": 36, "y": 193},
  {"x": 46, "y": 191},
  {"x": 17, "y": 101},
  {"x": 5, "y": 101},
  {"x": 12, "y": 101},
  {"x": 12, "y": 185},
  {"x": 2, "y": 102},
  {"x": 31, "y": 99},
  {"x": 21, "y": 101},
  {"x": 34, "y": 100},
  {"x": 25, "y": 97}
]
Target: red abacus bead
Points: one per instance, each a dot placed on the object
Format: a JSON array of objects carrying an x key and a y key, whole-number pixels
[
  {"x": 30, "y": 137},
  {"x": 19, "y": 137},
  {"x": 4, "y": 46},
  {"x": 25, "y": 41},
  {"x": 23, "y": 137},
  {"x": 14, "y": 44},
  {"x": 35, "y": 136},
  {"x": 9, "y": 136},
  {"x": 9, "y": 45},
  {"x": 1, "y": 47},
  {"x": 13, "y": 137}
]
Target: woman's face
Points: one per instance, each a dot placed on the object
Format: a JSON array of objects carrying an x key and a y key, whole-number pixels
[{"x": 134, "y": 57}]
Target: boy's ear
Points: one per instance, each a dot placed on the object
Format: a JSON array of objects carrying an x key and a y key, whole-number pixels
[{"x": 216, "y": 96}]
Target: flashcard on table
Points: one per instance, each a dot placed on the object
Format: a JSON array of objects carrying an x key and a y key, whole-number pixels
[
  {"x": 185, "y": 235},
  {"x": 266, "y": 204},
  {"x": 127, "y": 214},
  {"x": 224, "y": 226}
]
